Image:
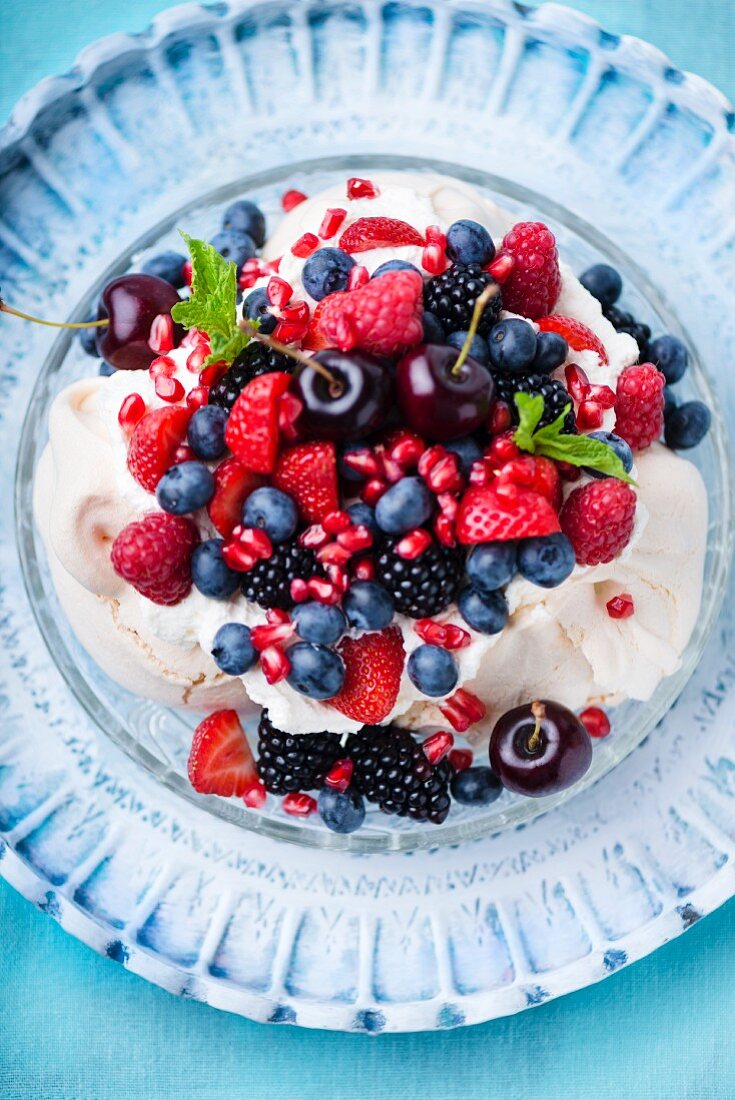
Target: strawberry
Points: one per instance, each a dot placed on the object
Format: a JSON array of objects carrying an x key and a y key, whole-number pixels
[
  {"x": 308, "y": 473},
  {"x": 578, "y": 336},
  {"x": 233, "y": 484},
  {"x": 384, "y": 316},
  {"x": 252, "y": 432},
  {"x": 537, "y": 473},
  {"x": 221, "y": 761},
  {"x": 374, "y": 664},
  {"x": 154, "y": 442},
  {"x": 504, "y": 511},
  {"x": 367, "y": 233},
  {"x": 314, "y": 339},
  {"x": 153, "y": 554}
]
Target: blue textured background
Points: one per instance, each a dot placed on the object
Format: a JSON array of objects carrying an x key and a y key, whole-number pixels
[{"x": 76, "y": 1027}]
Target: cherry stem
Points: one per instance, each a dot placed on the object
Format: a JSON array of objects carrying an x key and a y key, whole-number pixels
[
  {"x": 336, "y": 387},
  {"x": 538, "y": 710},
  {"x": 5, "y": 308},
  {"x": 490, "y": 291}
]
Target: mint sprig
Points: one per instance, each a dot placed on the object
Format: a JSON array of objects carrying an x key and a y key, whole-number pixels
[
  {"x": 577, "y": 450},
  {"x": 212, "y": 306}
]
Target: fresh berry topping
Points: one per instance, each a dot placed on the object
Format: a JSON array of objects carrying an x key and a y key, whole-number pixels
[
  {"x": 395, "y": 265},
  {"x": 268, "y": 582},
  {"x": 622, "y": 321},
  {"x": 168, "y": 266},
  {"x": 232, "y": 649},
  {"x": 257, "y": 307},
  {"x": 210, "y": 572},
  {"x": 604, "y": 283},
  {"x": 255, "y": 796},
  {"x": 468, "y": 242},
  {"x": 534, "y": 472},
  {"x": 153, "y": 554},
  {"x": 492, "y": 565},
  {"x": 220, "y": 761},
  {"x": 598, "y": 520},
  {"x": 595, "y": 721},
  {"x": 546, "y": 561},
  {"x": 361, "y": 189},
  {"x": 308, "y": 473},
  {"x": 245, "y": 217},
  {"x": 577, "y": 335},
  {"x": 424, "y": 586},
  {"x": 446, "y": 635},
  {"x": 161, "y": 338},
  {"x": 451, "y": 296},
  {"x": 405, "y": 506},
  {"x": 621, "y": 606},
  {"x": 507, "y": 512},
  {"x": 671, "y": 357},
  {"x": 327, "y": 272},
  {"x": 291, "y": 199},
  {"x": 477, "y": 786},
  {"x": 384, "y": 316},
  {"x": 367, "y": 233},
  {"x": 184, "y": 488},
  {"x": 485, "y": 612},
  {"x": 512, "y": 346},
  {"x": 392, "y": 770},
  {"x": 235, "y": 245},
  {"x": 551, "y": 351},
  {"x": 461, "y": 759},
  {"x": 374, "y": 664},
  {"x": 462, "y": 710},
  {"x": 255, "y": 360},
  {"x": 534, "y": 282},
  {"x": 154, "y": 443},
  {"x": 368, "y": 606},
  {"x": 253, "y": 431},
  {"x": 616, "y": 444},
  {"x": 233, "y": 484},
  {"x": 132, "y": 410},
  {"x": 294, "y": 763},
  {"x": 331, "y": 222},
  {"x": 687, "y": 425},
  {"x": 432, "y": 670},
  {"x": 305, "y": 245},
  {"x": 339, "y": 776},
  {"x": 273, "y": 511},
  {"x": 169, "y": 389},
  {"x": 639, "y": 405},
  {"x": 478, "y": 346},
  {"x": 555, "y": 396},
  {"x": 316, "y": 670},
  {"x": 341, "y": 811},
  {"x": 274, "y": 664},
  {"x": 298, "y": 804}
]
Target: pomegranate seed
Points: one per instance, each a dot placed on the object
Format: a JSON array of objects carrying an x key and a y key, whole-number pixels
[
  {"x": 255, "y": 796},
  {"x": 339, "y": 776},
  {"x": 430, "y": 458},
  {"x": 501, "y": 267},
  {"x": 333, "y": 554},
  {"x": 445, "y": 635},
  {"x": 569, "y": 472},
  {"x": 289, "y": 410},
  {"x": 295, "y": 311},
  {"x": 323, "y": 591},
  {"x": 192, "y": 337},
  {"x": 448, "y": 504},
  {"x": 299, "y": 590},
  {"x": 434, "y": 234},
  {"x": 589, "y": 415},
  {"x": 275, "y": 664},
  {"x": 238, "y": 558},
  {"x": 444, "y": 530},
  {"x": 621, "y": 607},
  {"x": 457, "y": 637},
  {"x": 392, "y": 470},
  {"x": 462, "y": 710},
  {"x": 314, "y": 537},
  {"x": 335, "y": 522},
  {"x": 298, "y": 804},
  {"x": 188, "y": 272},
  {"x": 356, "y": 539},
  {"x": 252, "y": 270},
  {"x": 361, "y": 189},
  {"x": 196, "y": 357},
  {"x": 198, "y": 397},
  {"x": 461, "y": 759},
  {"x": 363, "y": 462},
  {"x": 254, "y": 540},
  {"x": 437, "y": 746},
  {"x": 275, "y": 615},
  {"x": 500, "y": 418},
  {"x": 357, "y": 277},
  {"x": 502, "y": 449},
  {"x": 595, "y": 721},
  {"x": 212, "y": 374},
  {"x": 276, "y": 263},
  {"x": 406, "y": 449},
  {"x": 132, "y": 409},
  {"x": 164, "y": 364},
  {"x": 434, "y": 259},
  {"x": 169, "y": 389},
  {"x": 290, "y": 199},
  {"x": 183, "y": 453},
  {"x": 305, "y": 245},
  {"x": 289, "y": 333},
  {"x": 364, "y": 569},
  {"x": 161, "y": 338},
  {"x": 338, "y": 577},
  {"x": 481, "y": 472},
  {"x": 263, "y": 637},
  {"x": 413, "y": 544},
  {"x": 331, "y": 222},
  {"x": 577, "y": 382},
  {"x": 444, "y": 476},
  {"x": 278, "y": 291},
  {"x": 373, "y": 491}
]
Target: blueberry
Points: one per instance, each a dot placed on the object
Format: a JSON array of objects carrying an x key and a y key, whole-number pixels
[
  {"x": 244, "y": 216},
  {"x": 368, "y": 606},
  {"x": 603, "y": 282},
  {"x": 621, "y": 448},
  {"x": 433, "y": 329},
  {"x": 469, "y": 242},
  {"x": 547, "y": 560},
  {"x": 316, "y": 671},
  {"x": 476, "y": 786},
  {"x": 273, "y": 511},
  {"x": 468, "y": 450},
  {"x": 256, "y": 307},
  {"x": 670, "y": 401},
  {"x": 184, "y": 488},
  {"x": 233, "y": 649},
  {"x": 512, "y": 345},
  {"x": 234, "y": 245},
  {"x": 478, "y": 348},
  {"x": 432, "y": 670},
  {"x": 326, "y": 271},
  {"x": 321, "y": 623},
  {"x": 485, "y": 612},
  {"x": 394, "y": 265},
  {"x": 211, "y": 573},
  {"x": 362, "y": 515},
  {"x": 206, "y": 433},
  {"x": 687, "y": 425},
  {"x": 346, "y": 471},
  {"x": 88, "y": 339},
  {"x": 341, "y": 811},
  {"x": 168, "y": 266},
  {"x": 106, "y": 369},
  {"x": 670, "y": 356},
  {"x": 551, "y": 351},
  {"x": 405, "y": 506},
  {"x": 492, "y": 565}
]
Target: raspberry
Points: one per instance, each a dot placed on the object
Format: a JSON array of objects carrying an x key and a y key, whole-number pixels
[
  {"x": 639, "y": 405},
  {"x": 367, "y": 233},
  {"x": 598, "y": 520},
  {"x": 384, "y": 316},
  {"x": 534, "y": 283},
  {"x": 153, "y": 554}
]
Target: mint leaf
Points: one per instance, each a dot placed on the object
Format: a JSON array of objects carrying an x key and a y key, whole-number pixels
[
  {"x": 212, "y": 306},
  {"x": 530, "y": 411}
]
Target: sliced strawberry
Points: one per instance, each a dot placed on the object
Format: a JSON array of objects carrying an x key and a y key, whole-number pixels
[
  {"x": 252, "y": 432},
  {"x": 315, "y": 340},
  {"x": 154, "y": 443},
  {"x": 233, "y": 484},
  {"x": 384, "y": 316},
  {"x": 221, "y": 761},
  {"x": 537, "y": 473},
  {"x": 308, "y": 473},
  {"x": 367, "y": 233},
  {"x": 374, "y": 664},
  {"x": 501, "y": 512},
  {"x": 578, "y": 336}
]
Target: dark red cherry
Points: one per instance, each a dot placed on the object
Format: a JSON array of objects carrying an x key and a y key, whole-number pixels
[
  {"x": 353, "y": 404},
  {"x": 131, "y": 303},
  {"x": 539, "y": 748},
  {"x": 436, "y": 403}
]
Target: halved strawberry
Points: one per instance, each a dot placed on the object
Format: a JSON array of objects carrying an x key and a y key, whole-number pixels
[
  {"x": 383, "y": 317},
  {"x": 154, "y": 443},
  {"x": 537, "y": 473},
  {"x": 221, "y": 761},
  {"x": 501, "y": 512},
  {"x": 252, "y": 432},
  {"x": 233, "y": 484},
  {"x": 374, "y": 664},
  {"x": 308, "y": 473},
  {"x": 367, "y": 233},
  {"x": 577, "y": 335}
]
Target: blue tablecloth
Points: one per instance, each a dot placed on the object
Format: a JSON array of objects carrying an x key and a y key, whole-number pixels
[{"x": 76, "y": 1027}]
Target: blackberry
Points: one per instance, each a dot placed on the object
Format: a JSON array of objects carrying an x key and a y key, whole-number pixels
[
  {"x": 451, "y": 298},
  {"x": 555, "y": 396},
  {"x": 622, "y": 321},
  {"x": 287, "y": 763},
  {"x": 269, "y": 582},
  {"x": 391, "y": 769},
  {"x": 423, "y": 586},
  {"x": 254, "y": 360}
]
